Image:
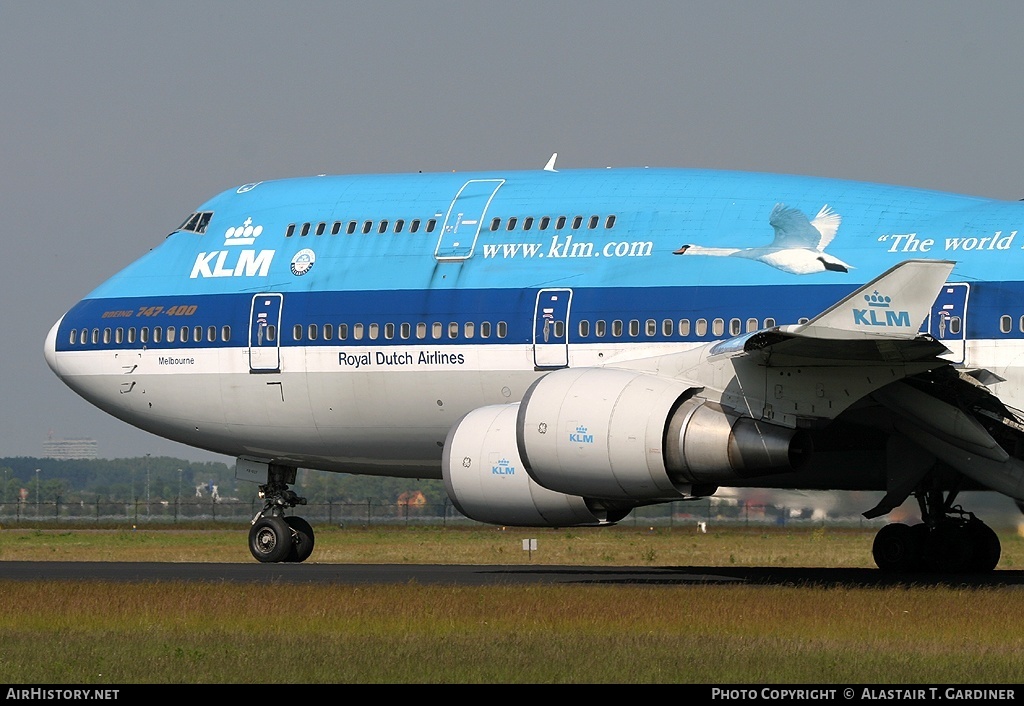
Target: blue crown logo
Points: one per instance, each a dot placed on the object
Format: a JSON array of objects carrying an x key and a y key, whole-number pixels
[
  {"x": 581, "y": 429},
  {"x": 877, "y": 299}
]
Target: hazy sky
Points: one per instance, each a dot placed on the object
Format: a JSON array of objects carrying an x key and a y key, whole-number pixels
[{"x": 119, "y": 118}]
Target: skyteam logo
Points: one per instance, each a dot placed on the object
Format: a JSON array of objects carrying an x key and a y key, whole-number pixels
[
  {"x": 244, "y": 234},
  {"x": 503, "y": 468},
  {"x": 580, "y": 436},
  {"x": 303, "y": 262},
  {"x": 880, "y": 313}
]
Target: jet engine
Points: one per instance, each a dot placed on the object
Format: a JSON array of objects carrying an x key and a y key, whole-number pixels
[
  {"x": 587, "y": 445},
  {"x": 611, "y": 433},
  {"x": 486, "y": 479}
]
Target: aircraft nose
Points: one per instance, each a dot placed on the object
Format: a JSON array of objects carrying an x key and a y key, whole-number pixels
[{"x": 50, "y": 347}]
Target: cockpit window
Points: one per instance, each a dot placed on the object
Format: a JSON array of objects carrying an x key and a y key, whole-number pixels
[{"x": 197, "y": 222}]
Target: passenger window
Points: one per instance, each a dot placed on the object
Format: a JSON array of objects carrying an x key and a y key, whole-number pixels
[
  {"x": 751, "y": 325},
  {"x": 495, "y": 224},
  {"x": 652, "y": 327},
  {"x": 374, "y": 331},
  {"x": 718, "y": 327},
  {"x": 297, "y": 332},
  {"x": 684, "y": 327},
  {"x": 351, "y": 227},
  {"x": 367, "y": 227},
  {"x": 735, "y": 327},
  {"x": 336, "y": 228},
  {"x": 594, "y": 220},
  {"x": 954, "y": 324},
  {"x": 584, "y": 328},
  {"x": 211, "y": 333},
  {"x": 321, "y": 228},
  {"x": 312, "y": 332},
  {"x": 197, "y": 334},
  {"x": 158, "y": 334},
  {"x": 545, "y": 222},
  {"x": 399, "y": 225},
  {"x": 1005, "y": 324},
  {"x": 305, "y": 229},
  {"x": 405, "y": 330},
  {"x": 143, "y": 335},
  {"x": 430, "y": 225},
  {"x": 421, "y": 330},
  {"x": 171, "y": 332},
  {"x": 502, "y": 329},
  {"x": 415, "y": 225},
  {"x": 389, "y": 331},
  {"x": 328, "y": 332},
  {"x": 271, "y": 332},
  {"x": 383, "y": 227},
  {"x": 485, "y": 329},
  {"x": 769, "y": 322},
  {"x": 560, "y": 223},
  {"x": 610, "y": 222},
  {"x": 225, "y": 333},
  {"x": 634, "y": 328},
  {"x": 342, "y": 332},
  {"x": 527, "y": 223},
  {"x": 131, "y": 334},
  {"x": 577, "y": 222},
  {"x": 511, "y": 223},
  {"x": 453, "y": 330},
  {"x": 290, "y": 231},
  {"x": 701, "y": 329},
  {"x": 119, "y": 335},
  {"x": 468, "y": 329},
  {"x": 436, "y": 330},
  {"x": 666, "y": 327},
  {"x": 559, "y": 330},
  {"x": 357, "y": 332},
  {"x": 106, "y": 335},
  {"x": 96, "y": 336},
  {"x": 600, "y": 328},
  {"x": 616, "y": 328}
]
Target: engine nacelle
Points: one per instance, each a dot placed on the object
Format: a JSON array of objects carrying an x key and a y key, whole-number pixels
[
  {"x": 620, "y": 434},
  {"x": 487, "y": 481}
]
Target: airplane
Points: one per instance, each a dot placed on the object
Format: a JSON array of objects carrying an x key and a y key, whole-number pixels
[{"x": 562, "y": 347}]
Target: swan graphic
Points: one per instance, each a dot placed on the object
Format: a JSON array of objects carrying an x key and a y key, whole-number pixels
[{"x": 798, "y": 247}]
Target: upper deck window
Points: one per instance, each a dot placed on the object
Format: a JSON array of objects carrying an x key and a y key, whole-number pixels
[{"x": 197, "y": 222}]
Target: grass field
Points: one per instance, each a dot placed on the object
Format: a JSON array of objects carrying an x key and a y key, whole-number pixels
[{"x": 206, "y": 633}]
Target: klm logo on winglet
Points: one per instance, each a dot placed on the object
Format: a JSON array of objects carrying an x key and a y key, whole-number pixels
[
  {"x": 879, "y": 313},
  {"x": 580, "y": 436},
  {"x": 503, "y": 468}
]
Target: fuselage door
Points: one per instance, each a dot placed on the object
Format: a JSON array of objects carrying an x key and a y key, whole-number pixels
[
  {"x": 948, "y": 320},
  {"x": 551, "y": 328},
  {"x": 464, "y": 219},
  {"x": 265, "y": 333}
]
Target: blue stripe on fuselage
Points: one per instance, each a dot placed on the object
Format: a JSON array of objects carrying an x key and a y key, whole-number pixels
[{"x": 784, "y": 303}]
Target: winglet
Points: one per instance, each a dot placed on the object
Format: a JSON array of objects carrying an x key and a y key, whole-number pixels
[
  {"x": 550, "y": 166},
  {"x": 893, "y": 305}
]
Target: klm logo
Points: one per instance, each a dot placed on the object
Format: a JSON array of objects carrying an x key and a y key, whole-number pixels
[
  {"x": 224, "y": 263},
  {"x": 580, "y": 436},
  {"x": 503, "y": 468},
  {"x": 878, "y": 313}
]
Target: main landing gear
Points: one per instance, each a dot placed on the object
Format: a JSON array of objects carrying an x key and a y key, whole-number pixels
[
  {"x": 949, "y": 540},
  {"x": 275, "y": 537}
]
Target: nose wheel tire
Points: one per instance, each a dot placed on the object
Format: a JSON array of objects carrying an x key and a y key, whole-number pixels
[
  {"x": 302, "y": 541},
  {"x": 270, "y": 539}
]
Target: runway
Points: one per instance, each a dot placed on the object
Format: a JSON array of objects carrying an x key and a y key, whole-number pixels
[{"x": 481, "y": 575}]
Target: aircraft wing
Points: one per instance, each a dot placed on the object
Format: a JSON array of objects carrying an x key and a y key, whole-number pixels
[{"x": 879, "y": 322}]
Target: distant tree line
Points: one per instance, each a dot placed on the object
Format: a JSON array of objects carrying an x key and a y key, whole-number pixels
[{"x": 161, "y": 478}]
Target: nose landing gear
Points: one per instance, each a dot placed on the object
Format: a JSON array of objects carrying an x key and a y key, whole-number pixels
[{"x": 274, "y": 537}]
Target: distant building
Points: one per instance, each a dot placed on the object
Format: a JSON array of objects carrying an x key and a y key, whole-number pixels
[{"x": 69, "y": 448}]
